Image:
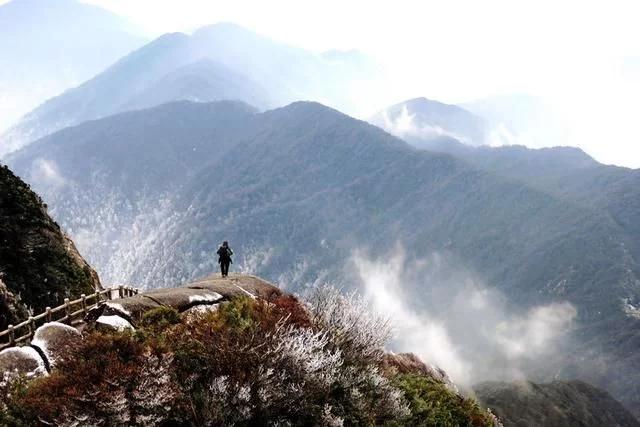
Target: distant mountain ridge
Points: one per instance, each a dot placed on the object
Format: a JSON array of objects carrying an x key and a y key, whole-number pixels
[
  {"x": 218, "y": 62},
  {"x": 74, "y": 42},
  {"x": 422, "y": 122},
  {"x": 160, "y": 72}
]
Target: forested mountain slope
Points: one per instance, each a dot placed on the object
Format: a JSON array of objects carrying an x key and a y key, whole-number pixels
[{"x": 298, "y": 189}]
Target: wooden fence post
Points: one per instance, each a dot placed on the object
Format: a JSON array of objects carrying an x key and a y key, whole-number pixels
[
  {"x": 12, "y": 338},
  {"x": 48, "y": 316},
  {"x": 67, "y": 309},
  {"x": 32, "y": 327},
  {"x": 84, "y": 304}
]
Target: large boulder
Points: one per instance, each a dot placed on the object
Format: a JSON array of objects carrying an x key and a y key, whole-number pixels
[
  {"x": 24, "y": 361},
  {"x": 236, "y": 285},
  {"x": 55, "y": 340}
]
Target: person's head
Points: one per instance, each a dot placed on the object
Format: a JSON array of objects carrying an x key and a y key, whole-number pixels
[{"x": 225, "y": 243}]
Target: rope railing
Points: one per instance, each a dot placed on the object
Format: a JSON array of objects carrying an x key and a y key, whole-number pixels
[{"x": 69, "y": 312}]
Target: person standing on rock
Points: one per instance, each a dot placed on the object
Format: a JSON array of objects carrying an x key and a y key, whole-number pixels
[{"x": 224, "y": 258}]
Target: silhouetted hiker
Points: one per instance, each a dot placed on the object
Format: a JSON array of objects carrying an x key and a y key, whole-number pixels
[{"x": 224, "y": 258}]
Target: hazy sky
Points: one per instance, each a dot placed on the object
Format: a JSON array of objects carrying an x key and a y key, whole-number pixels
[{"x": 581, "y": 56}]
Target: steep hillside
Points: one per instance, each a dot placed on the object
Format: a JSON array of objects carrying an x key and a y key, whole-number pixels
[
  {"x": 567, "y": 173},
  {"x": 39, "y": 266},
  {"x": 74, "y": 41},
  {"x": 296, "y": 190},
  {"x": 557, "y": 404},
  {"x": 253, "y": 356},
  {"x": 422, "y": 121}
]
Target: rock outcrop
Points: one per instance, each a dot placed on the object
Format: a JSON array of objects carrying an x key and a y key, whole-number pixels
[
  {"x": 206, "y": 292},
  {"x": 52, "y": 341},
  {"x": 24, "y": 361},
  {"x": 39, "y": 265}
]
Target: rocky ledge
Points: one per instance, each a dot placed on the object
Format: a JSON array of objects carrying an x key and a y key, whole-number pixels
[{"x": 52, "y": 339}]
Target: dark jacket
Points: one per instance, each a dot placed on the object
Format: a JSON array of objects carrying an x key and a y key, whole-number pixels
[{"x": 224, "y": 254}]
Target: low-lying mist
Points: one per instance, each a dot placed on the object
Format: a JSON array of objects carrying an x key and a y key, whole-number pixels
[{"x": 449, "y": 318}]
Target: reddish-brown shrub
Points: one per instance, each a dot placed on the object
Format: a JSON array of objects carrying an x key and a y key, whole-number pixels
[{"x": 99, "y": 382}]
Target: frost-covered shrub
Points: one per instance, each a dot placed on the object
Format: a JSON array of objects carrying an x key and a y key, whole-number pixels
[
  {"x": 360, "y": 333},
  {"x": 113, "y": 377},
  {"x": 251, "y": 362},
  {"x": 257, "y": 362}
]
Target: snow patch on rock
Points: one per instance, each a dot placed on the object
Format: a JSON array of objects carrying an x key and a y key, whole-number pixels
[
  {"x": 118, "y": 307},
  {"x": 116, "y": 322},
  {"x": 206, "y": 298},
  {"x": 53, "y": 334},
  {"x": 21, "y": 360}
]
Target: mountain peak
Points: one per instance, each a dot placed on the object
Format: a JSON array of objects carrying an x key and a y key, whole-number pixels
[
  {"x": 422, "y": 121},
  {"x": 224, "y": 28}
]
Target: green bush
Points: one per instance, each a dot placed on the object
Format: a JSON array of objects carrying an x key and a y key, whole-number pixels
[
  {"x": 432, "y": 403},
  {"x": 160, "y": 318},
  {"x": 237, "y": 313}
]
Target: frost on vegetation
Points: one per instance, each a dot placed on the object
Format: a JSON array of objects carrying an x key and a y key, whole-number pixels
[
  {"x": 254, "y": 259},
  {"x": 296, "y": 275},
  {"x": 307, "y": 350},
  {"x": 364, "y": 381},
  {"x": 329, "y": 419},
  {"x": 154, "y": 391},
  {"x": 148, "y": 402},
  {"x": 358, "y": 331},
  {"x": 201, "y": 309},
  {"x": 630, "y": 309}
]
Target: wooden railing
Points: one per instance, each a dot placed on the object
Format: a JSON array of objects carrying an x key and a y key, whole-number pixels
[{"x": 71, "y": 313}]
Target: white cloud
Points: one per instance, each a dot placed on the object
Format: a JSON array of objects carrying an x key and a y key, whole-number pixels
[
  {"x": 404, "y": 125},
  {"x": 451, "y": 320}
]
